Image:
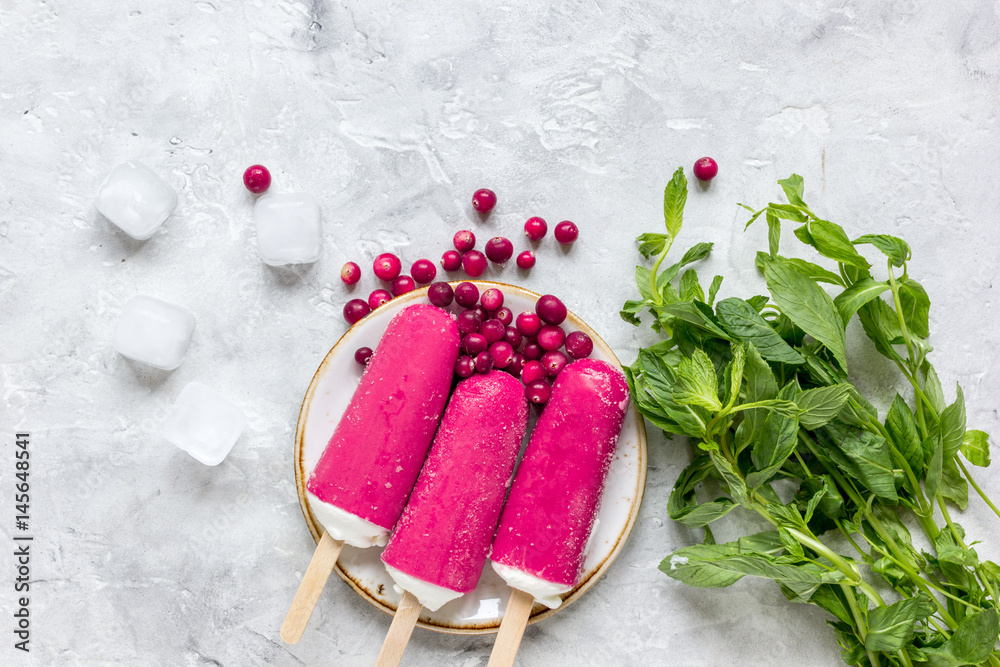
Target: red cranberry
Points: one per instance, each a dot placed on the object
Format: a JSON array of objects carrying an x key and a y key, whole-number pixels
[
  {"x": 532, "y": 351},
  {"x": 579, "y": 345},
  {"x": 492, "y": 299},
  {"x": 466, "y": 295},
  {"x": 504, "y": 315},
  {"x": 533, "y": 371},
  {"x": 451, "y": 260},
  {"x": 464, "y": 240},
  {"x": 529, "y": 324},
  {"x": 566, "y": 232},
  {"x": 483, "y": 315},
  {"x": 351, "y": 273},
  {"x": 516, "y": 364},
  {"x": 493, "y": 330},
  {"x": 484, "y": 200},
  {"x": 484, "y": 362},
  {"x": 513, "y": 336},
  {"x": 535, "y": 228},
  {"x": 538, "y": 392},
  {"x": 499, "y": 249},
  {"x": 474, "y": 343},
  {"x": 705, "y": 169},
  {"x": 526, "y": 260},
  {"x": 387, "y": 266},
  {"x": 468, "y": 321},
  {"x": 423, "y": 271},
  {"x": 502, "y": 354},
  {"x": 378, "y": 298},
  {"x": 257, "y": 179},
  {"x": 355, "y": 309},
  {"x": 465, "y": 366},
  {"x": 551, "y": 337},
  {"x": 363, "y": 355},
  {"x": 440, "y": 294},
  {"x": 550, "y": 309},
  {"x": 553, "y": 362},
  {"x": 474, "y": 263},
  {"x": 402, "y": 285}
]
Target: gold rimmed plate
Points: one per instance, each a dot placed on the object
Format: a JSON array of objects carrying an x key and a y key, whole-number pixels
[{"x": 478, "y": 612}]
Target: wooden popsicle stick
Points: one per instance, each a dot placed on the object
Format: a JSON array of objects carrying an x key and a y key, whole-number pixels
[
  {"x": 313, "y": 581},
  {"x": 399, "y": 632},
  {"x": 515, "y": 619}
]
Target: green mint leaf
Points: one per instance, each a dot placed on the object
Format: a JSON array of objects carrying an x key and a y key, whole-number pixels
[
  {"x": 830, "y": 599},
  {"x": 823, "y": 496},
  {"x": 915, "y": 305},
  {"x": 972, "y": 642},
  {"x": 773, "y": 233},
  {"x": 651, "y": 245},
  {"x": 695, "y": 313},
  {"x": 697, "y": 383},
  {"x": 787, "y": 212},
  {"x": 808, "y": 306},
  {"x": 743, "y": 322},
  {"x": 976, "y": 448},
  {"x": 642, "y": 282},
  {"x": 734, "y": 373},
  {"x": 934, "y": 455},
  {"x": 808, "y": 269},
  {"x": 953, "y": 426},
  {"x": 953, "y": 485},
  {"x": 932, "y": 387},
  {"x": 821, "y": 404},
  {"x": 882, "y": 327},
  {"x": 683, "y": 494},
  {"x": 949, "y": 551},
  {"x": 713, "y": 289},
  {"x": 902, "y": 427},
  {"x": 690, "y": 288},
  {"x": 699, "y": 516},
  {"x": 865, "y": 457},
  {"x": 776, "y": 443},
  {"x": 896, "y": 249},
  {"x": 695, "y": 253},
  {"x": 674, "y": 198},
  {"x": 753, "y": 218},
  {"x": 758, "y": 302},
  {"x": 794, "y": 189},
  {"x": 891, "y": 628},
  {"x": 850, "y": 300},
  {"x": 830, "y": 240},
  {"x": 734, "y": 482}
]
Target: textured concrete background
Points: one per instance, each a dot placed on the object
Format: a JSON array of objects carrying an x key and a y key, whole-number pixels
[{"x": 392, "y": 114}]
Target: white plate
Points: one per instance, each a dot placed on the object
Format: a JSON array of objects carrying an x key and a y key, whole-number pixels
[{"x": 480, "y": 611}]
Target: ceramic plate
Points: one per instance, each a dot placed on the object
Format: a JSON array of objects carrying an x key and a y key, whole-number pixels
[{"x": 480, "y": 611}]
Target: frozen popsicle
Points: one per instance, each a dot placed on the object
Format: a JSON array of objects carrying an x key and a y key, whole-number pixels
[
  {"x": 541, "y": 541},
  {"x": 439, "y": 547},
  {"x": 360, "y": 485}
]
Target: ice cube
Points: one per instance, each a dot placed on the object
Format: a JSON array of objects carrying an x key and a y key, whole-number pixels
[
  {"x": 136, "y": 199},
  {"x": 154, "y": 331},
  {"x": 289, "y": 229},
  {"x": 204, "y": 424}
]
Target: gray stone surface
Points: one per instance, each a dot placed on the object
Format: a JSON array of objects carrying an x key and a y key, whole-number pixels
[{"x": 392, "y": 114}]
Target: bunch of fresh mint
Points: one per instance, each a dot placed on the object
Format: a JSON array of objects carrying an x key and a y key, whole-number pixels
[{"x": 760, "y": 385}]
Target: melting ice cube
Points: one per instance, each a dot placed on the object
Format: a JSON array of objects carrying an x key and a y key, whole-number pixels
[
  {"x": 154, "y": 331},
  {"x": 289, "y": 229},
  {"x": 204, "y": 424},
  {"x": 136, "y": 199}
]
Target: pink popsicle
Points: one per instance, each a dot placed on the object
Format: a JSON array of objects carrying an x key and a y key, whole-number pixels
[
  {"x": 371, "y": 463},
  {"x": 443, "y": 537},
  {"x": 554, "y": 499}
]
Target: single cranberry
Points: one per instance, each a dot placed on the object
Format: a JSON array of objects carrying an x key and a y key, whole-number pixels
[
  {"x": 504, "y": 315},
  {"x": 551, "y": 337},
  {"x": 553, "y": 361},
  {"x": 257, "y": 179},
  {"x": 533, "y": 371},
  {"x": 526, "y": 260},
  {"x": 550, "y": 309},
  {"x": 355, "y": 309},
  {"x": 474, "y": 343},
  {"x": 423, "y": 271},
  {"x": 387, "y": 266},
  {"x": 502, "y": 354},
  {"x": 566, "y": 232},
  {"x": 535, "y": 228},
  {"x": 350, "y": 273},
  {"x": 484, "y": 362},
  {"x": 516, "y": 364},
  {"x": 513, "y": 336},
  {"x": 474, "y": 263},
  {"x": 378, "y": 298},
  {"x": 499, "y": 249},
  {"x": 464, "y": 240},
  {"x": 705, "y": 169},
  {"x": 532, "y": 351},
  {"x": 451, "y": 260},
  {"x": 579, "y": 345},
  {"x": 494, "y": 330},
  {"x": 492, "y": 299},
  {"x": 440, "y": 294},
  {"x": 402, "y": 285},
  {"x": 465, "y": 366},
  {"x": 484, "y": 200},
  {"x": 466, "y": 295},
  {"x": 529, "y": 324},
  {"x": 537, "y": 392},
  {"x": 469, "y": 321},
  {"x": 483, "y": 313},
  {"x": 363, "y": 355}
]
